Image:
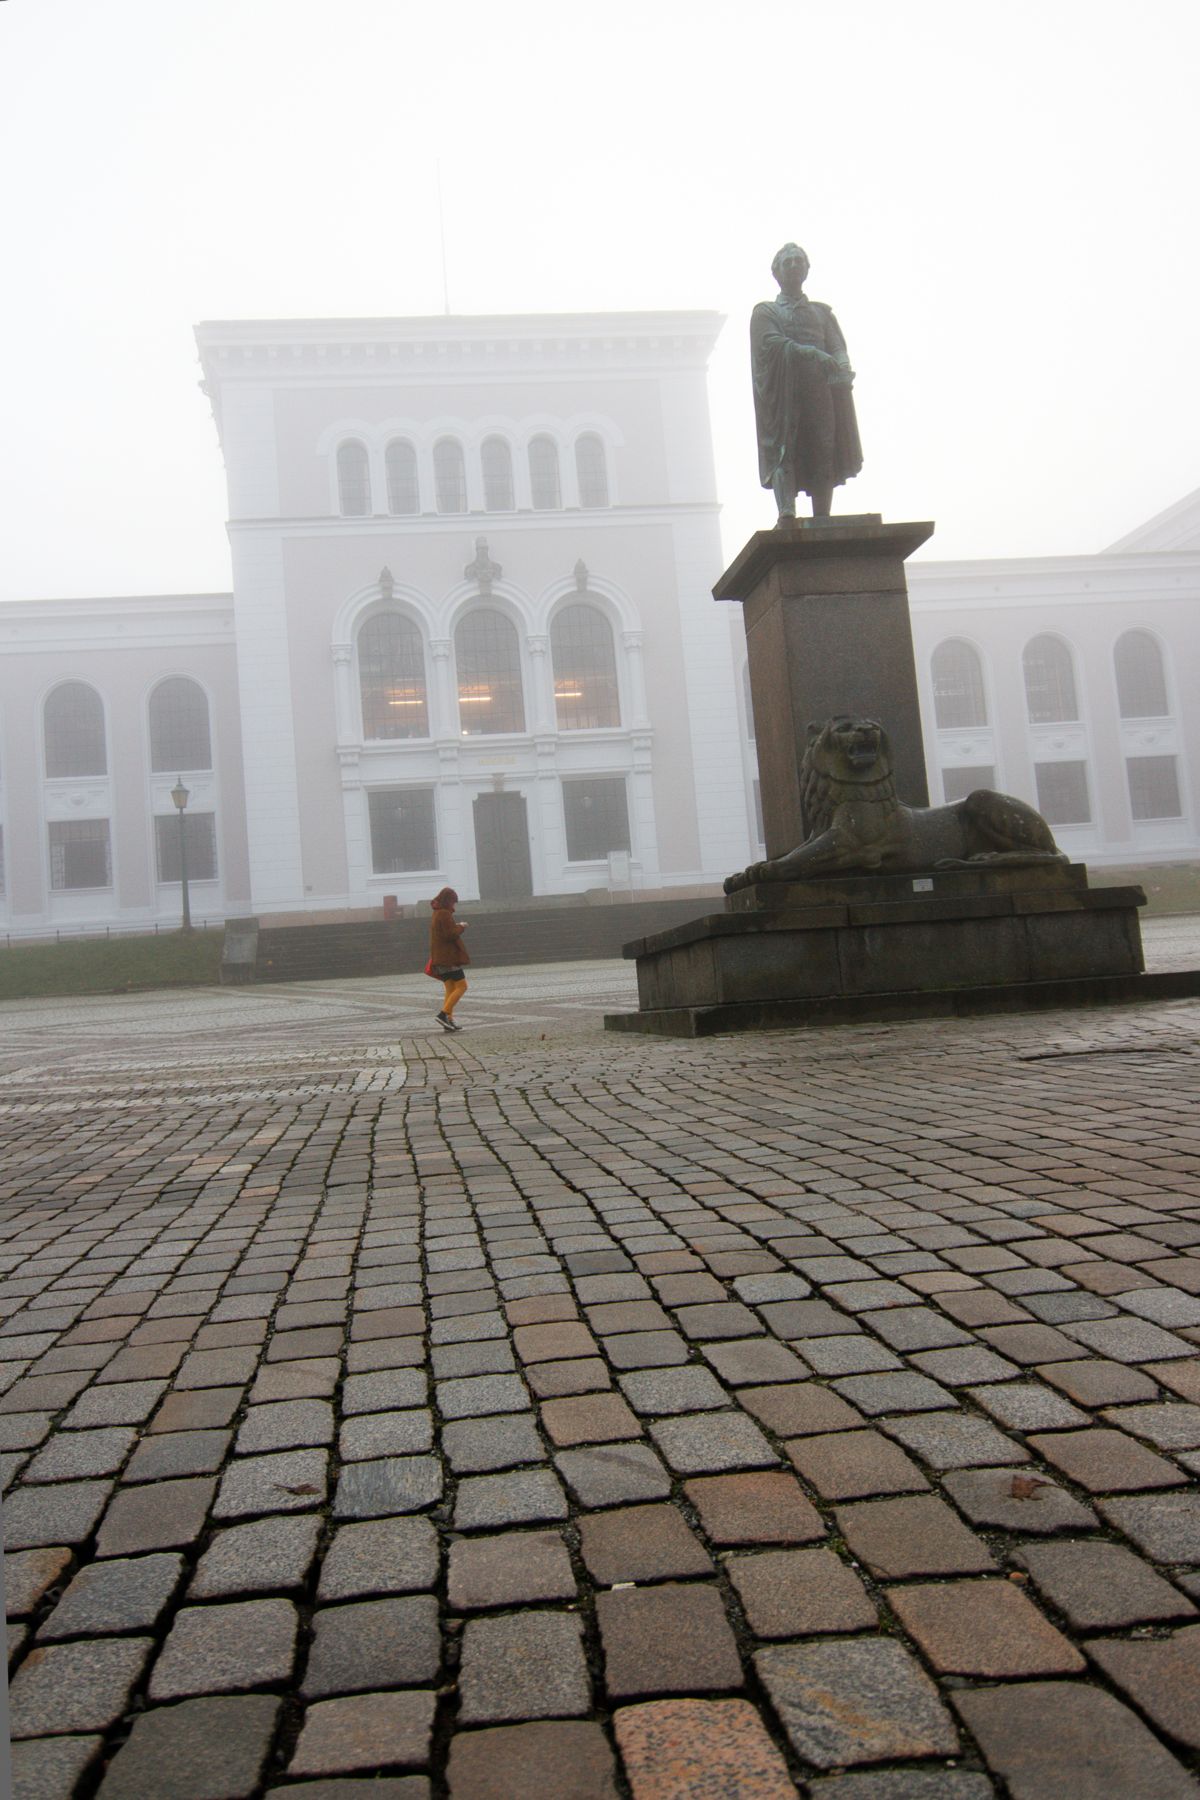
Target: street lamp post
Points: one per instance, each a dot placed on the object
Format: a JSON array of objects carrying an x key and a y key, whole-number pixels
[{"x": 180, "y": 796}]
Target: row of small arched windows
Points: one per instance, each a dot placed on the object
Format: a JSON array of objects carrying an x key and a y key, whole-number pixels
[
  {"x": 450, "y": 476},
  {"x": 74, "y": 736},
  {"x": 1051, "y": 697},
  {"x": 487, "y": 659}
]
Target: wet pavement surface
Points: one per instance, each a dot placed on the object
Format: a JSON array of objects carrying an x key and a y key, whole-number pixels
[{"x": 541, "y": 1411}]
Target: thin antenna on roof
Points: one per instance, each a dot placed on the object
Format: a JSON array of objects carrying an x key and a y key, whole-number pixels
[{"x": 442, "y": 230}]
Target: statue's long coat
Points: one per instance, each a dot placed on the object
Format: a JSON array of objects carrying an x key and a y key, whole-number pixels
[{"x": 803, "y": 423}]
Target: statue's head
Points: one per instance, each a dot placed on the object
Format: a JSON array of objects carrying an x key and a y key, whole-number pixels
[{"x": 791, "y": 257}]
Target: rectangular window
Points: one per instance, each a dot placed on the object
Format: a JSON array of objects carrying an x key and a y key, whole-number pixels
[
  {"x": 201, "y": 832},
  {"x": 597, "y": 818},
  {"x": 79, "y": 854},
  {"x": 1153, "y": 787},
  {"x": 958, "y": 783},
  {"x": 403, "y": 830},
  {"x": 759, "y": 828},
  {"x": 1062, "y": 793}
]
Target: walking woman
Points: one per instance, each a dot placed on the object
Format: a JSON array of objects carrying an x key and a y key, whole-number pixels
[{"x": 447, "y": 954}]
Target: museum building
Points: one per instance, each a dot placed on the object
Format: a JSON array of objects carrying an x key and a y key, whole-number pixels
[{"x": 471, "y": 639}]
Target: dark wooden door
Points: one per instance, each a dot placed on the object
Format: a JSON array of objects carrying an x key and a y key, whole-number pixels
[{"x": 502, "y": 847}]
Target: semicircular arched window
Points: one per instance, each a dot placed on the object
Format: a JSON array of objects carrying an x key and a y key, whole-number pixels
[
  {"x": 959, "y": 702},
  {"x": 1049, "y": 682},
  {"x": 74, "y": 731},
  {"x": 544, "y": 489},
  {"x": 449, "y": 476},
  {"x": 354, "y": 480},
  {"x": 179, "y": 731},
  {"x": 403, "y": 489},
  {"x": 1141, "y": 678},
  {"x": 585, "y": 669},
  {"x": 391, "y": 676},
  {"x": 487, "y": 660},
  {"x": 496, "y": 458},
  {"x": 591, "y": 466}
]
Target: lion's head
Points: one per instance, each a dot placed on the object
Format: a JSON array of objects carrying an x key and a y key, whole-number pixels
[{"x": 846, "y": 758}]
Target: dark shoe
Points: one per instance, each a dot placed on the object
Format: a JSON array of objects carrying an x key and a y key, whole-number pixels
[
  {"x": 445, "y": 1023},
  {"x": 451, "y": 1026}
]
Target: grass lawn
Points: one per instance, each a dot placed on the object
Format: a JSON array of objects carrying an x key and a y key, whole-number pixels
[{"x": 111, "y": 965}]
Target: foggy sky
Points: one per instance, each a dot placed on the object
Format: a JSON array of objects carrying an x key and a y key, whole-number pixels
[{"x": 998, "y": 200}]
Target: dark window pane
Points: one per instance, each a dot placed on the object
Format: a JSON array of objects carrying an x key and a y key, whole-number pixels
[
  {"x": 497, "y": 475},
  {"x": 1153, "y": 787},
  {"x": 1049, "y": 682},
  {"x": 585, "y": 669},
  {"x": 179, "y": 736},
  {"x": 488, "y": 660},
  {"x": 748, "y": 701},
  {"x": 79, "y": 854},
  {"x": 958, "y": 783},
  {"x": 354, "y": 480},
  {"x": 75, "y": 731},
  {"x": 543, "y": 474},
  {"x": 201, "y": 833},
  {"x": 449, "y": 476},
  {"x": 592, "y": 470},
  {"x": 1141, "y": 683},
  {"x": 391, "y": 673},
  {"x": 958, "y": 697},
  {"x": 759, "y": 827},
  {"x": 597, "y": 818},
  {"x": 403, "y": 490},
  {"x": 403, "y": 831},
  {"x": 1062, "y": 790}
]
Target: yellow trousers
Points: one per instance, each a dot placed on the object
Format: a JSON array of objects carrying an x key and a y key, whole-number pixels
[{"x": 454, "y": 992}]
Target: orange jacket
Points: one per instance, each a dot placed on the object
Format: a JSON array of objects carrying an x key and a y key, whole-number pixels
[{"x": 446, "y": 947}]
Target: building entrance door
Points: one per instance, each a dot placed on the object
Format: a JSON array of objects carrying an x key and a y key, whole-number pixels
[{"x": 502, "y": 847}]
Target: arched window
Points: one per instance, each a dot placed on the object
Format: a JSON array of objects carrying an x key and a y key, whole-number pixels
[
  {"x": 585, "y": 669},
  {"x": 179, "y": 734},
  {"x": 1141, "y": 680},
  {"x": 958, "y": 697},
  {"x": 354, "y": 480},
  {"x": 748, "y": 701},
  {"x": 543, "y": 474},
  {"x": 592, "y": 470},
  {"x": 391, "y": 675},
  {"x": 1049, "y": 682},
  {"x": 449, "y": 476},
  {"x": 497, "y": 475},
  {"x": 74, "y": 723},
  {"x": 488, "y": 661},
  {"x": 404, "y": 494}
]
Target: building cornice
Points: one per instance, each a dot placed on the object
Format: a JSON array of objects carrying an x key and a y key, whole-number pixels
[
  {"x": 127, "y": 623},
  {"x": 458, "y": 524},
  {"x": 1057, "y": 580}
]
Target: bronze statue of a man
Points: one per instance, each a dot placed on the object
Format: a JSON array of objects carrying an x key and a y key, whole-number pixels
[{"x": 807, "y": 432}]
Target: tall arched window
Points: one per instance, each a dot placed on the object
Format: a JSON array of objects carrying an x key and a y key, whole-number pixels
[
  {"x": 1049, "y": 682},
  {"x": 404, "y": 494},
  {"x": 449, "y": 476},
  {"x": 958, "y": 697},
  {"x": 585, "y": 669},
  {"x": 179, "y": 734},
  {"x": 354, "y": 480},
  {"x": 496, "y": 458},
  {"x": 1141, "y": 679},
  {"x": 74, "y": 726},
  {"x": 543, "y": 474},
  {"x": 592, "y": 470},
  {"x": 488, "y": 661},
  {"x": 391, "y": 675}
]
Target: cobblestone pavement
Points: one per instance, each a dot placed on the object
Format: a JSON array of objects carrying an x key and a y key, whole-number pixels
[{"x": 541, "y": 1412}]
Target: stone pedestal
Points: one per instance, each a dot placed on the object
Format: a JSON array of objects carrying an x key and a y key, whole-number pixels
[{"x": 827, "y": 625}]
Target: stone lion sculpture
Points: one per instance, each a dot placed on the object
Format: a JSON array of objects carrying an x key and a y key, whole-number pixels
[{"x": 855, "y": 824}]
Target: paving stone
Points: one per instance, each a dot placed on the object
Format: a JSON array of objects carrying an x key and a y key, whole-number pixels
[
  {"x": 913, "y": 1328},
  {"x": 62, "y": 1514},
  {"x": 77, "y": 1453},
  {"x": 1168, "y": 1306},
  {"x": 478, "y": 1446},
  {"x": 291, "y": 1481},
  {"x": 1067, "y": 1739},
  {"x": 848, "y": 1465},
  {"x": 578, "y": 1375},
  {"x": 380, "y": 1391},
  {"x": 1098, "y": 1383},
  {"x": 905, "y": 1784},
  {"x": 374, "y": 1644},
  {"x": 364, "y": 1731},
  {"x": 860, "y": 1701},
  {"x": 204, "y": 1410},
  {"x": 84, "y": 1686},
  {"x": 451, "y": 1361},
  {"x": 984, "y": 1628},
  {"x": 589, "y": 1419},
  {"x": 958, "y": 1367},
  {"x": 195, "y": 1750},
  {"x": 657, "y": 1391},
  {"x": 905, "y": 1392},
  {"x": 666, "y": 1640},
  {"x": 684, "y": 1290},
  {"x": 220, "y": 1368},
  {"x": 510, "y": 1570},
  {"x": 799, "y": 1409},
  {"x": 640, "y": 1543},
  {"x": 698, "y": 1750},
  {"x": 385, "y": 1434},
  {"x": 954, "y": 1440},
  {"x": 796, "y": 1320},
  {"x": 552, "y": 1342},
  {"x": 1017, "y": 1500},
  {"x": 1054, "y": 1309},
  {"x": 162, "y": 1516},
  {"x": 475, "y": 1396},
  {"x": 1165, "y": 1526},
  {"x": 1026, "y": 1406},
  {"x": 568, "y": 1759},
  {"x": 916, "y": 1535},
  {"x": 646, "y": 1350},
  {"x": 1129, "y": 1340},
  {"x": 1100, "y": 1586},
  {"x": 750, "y": 1361},
  {"x": 392, "y": 1484},
  {"x": 1160, "y": 1675},
  {"x": 523, "y": 1666},
  {"x": 525, "y": 1497},
  {"x": 120, "y": 1595},
  {"x": 1172, "y": 1425},
  {"x": 175, "y": 1453},
  {"x": 612, "y": 1474},
  {"x": 267, "y": 1556},
  {"x": 52, "y": 1768},
  {"x": 760, "y": 1508},
  {"x": 28, "y": 1574},
  {"x": 1106, "y": 1461},
  {"x": 794, "y": 1593},
  {"x": 223, "y": 1649},
  {"x": 706, "y": 1442},
  {"x": 383, "y": 1556},
  {"x": 285, "y": 1425},
  {"x": 849, "y": 1355}
]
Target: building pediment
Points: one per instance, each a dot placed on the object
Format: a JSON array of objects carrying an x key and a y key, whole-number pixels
[{"x": 1178, "y": 529}]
